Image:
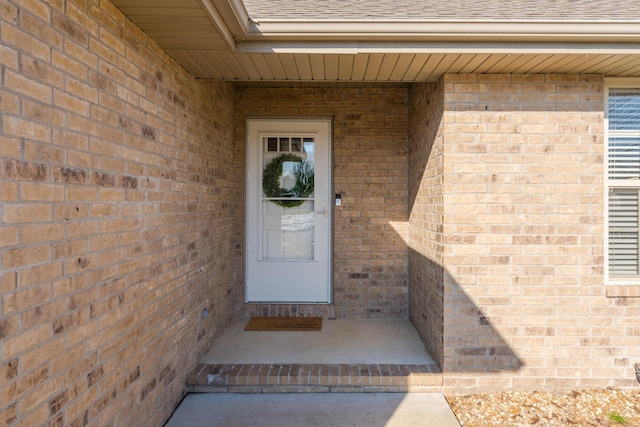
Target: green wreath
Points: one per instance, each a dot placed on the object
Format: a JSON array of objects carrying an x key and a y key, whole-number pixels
[{"x": 303, "y": 173}]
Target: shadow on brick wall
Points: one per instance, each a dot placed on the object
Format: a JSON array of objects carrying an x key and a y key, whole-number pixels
[{"x": 458, "y": 333}]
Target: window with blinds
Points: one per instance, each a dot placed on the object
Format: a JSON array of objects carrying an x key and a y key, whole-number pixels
[{"x": 623, "y": 181}]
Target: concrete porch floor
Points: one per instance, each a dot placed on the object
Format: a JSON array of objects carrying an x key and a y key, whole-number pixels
[
  {"x": 352, "y": 373},
  {"x": 341, "y": 341},
  {"x": 348, "y": 355}
]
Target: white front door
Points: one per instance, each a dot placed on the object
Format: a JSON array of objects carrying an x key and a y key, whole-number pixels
[{"x": 288, "y": 232}]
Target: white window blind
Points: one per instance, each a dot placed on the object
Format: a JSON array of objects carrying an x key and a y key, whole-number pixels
[
  {"x": 624, "y": 158},
  {"x": 623, "y": 232},
  {"x": 624, "y": 109},
  {"x": 623, "y": 181}
]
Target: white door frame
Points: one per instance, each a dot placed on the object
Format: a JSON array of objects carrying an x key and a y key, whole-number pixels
[{"x": 281, "y": 280}]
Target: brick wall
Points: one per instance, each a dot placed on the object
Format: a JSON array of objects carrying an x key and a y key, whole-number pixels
[
  {"x": 523, "y": 236},
  {"x": 117, "y": 206},
  {"x": 122, "y": 205},
  {"x": 426, "y": 167},
  {"x": 370, "y": 171}
]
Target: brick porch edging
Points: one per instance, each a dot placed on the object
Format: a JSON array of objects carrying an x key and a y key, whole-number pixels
[{"x": 314, "y": 378}]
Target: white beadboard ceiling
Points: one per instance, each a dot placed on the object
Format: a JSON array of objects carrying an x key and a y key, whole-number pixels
[{"x": 216, "y": 39}]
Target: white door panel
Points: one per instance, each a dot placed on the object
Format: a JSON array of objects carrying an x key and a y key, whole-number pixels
[{"x": 288, "y": 212}]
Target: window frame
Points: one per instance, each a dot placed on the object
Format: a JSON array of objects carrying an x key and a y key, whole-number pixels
[{"x": 609, "y": 84}]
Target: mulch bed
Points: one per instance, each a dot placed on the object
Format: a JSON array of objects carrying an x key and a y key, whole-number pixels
[{"x": 589, "y": 408}]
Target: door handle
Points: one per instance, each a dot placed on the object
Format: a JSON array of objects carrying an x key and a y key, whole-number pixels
[{"x": 324, "y": 212}]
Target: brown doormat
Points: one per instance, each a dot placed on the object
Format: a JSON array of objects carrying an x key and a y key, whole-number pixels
[{"x": 284, "y": 324}]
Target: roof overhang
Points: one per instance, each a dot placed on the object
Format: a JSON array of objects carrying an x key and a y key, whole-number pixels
[
  {"x": 229, "y": 17},
  {"x": 218, "y": 39},
  {"x": 469, "y": 47},
  {"x": 441, "y": 31}
]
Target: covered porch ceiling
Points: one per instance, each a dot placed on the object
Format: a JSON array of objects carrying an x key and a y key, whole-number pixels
[{"x": 222, "y": 40}]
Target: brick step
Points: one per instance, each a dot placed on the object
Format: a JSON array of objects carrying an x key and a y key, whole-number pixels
[{"x": 314, "y": 378}]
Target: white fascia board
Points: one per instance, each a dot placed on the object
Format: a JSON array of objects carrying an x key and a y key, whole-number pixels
[
  {"x": 229, "y": 17},
  {"x": 513, "y": 31},
  {"x": 235, "y": 15},
  {"x": 354, "y": 48}
]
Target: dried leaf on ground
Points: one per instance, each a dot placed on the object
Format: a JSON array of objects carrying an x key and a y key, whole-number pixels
[{"x": 584, "y": 408}]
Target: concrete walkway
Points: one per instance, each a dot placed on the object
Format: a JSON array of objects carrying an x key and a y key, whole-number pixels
[
  {"x": 318, "y": 409},
  {"x": 364, "y": 341}
]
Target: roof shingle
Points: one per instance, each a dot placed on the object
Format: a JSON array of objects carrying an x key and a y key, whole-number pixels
[{"x": 427, "y": 10}]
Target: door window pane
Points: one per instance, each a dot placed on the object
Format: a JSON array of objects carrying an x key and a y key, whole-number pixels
[
  {"x": 296, "y": 144},
  {"x": 288, "y": 184},
  {"x": 288, "y": 233},
  {"x": 272, "y": 144}
]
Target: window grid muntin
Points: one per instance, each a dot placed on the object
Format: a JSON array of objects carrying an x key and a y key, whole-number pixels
[{"x": 286, "y": 144}]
